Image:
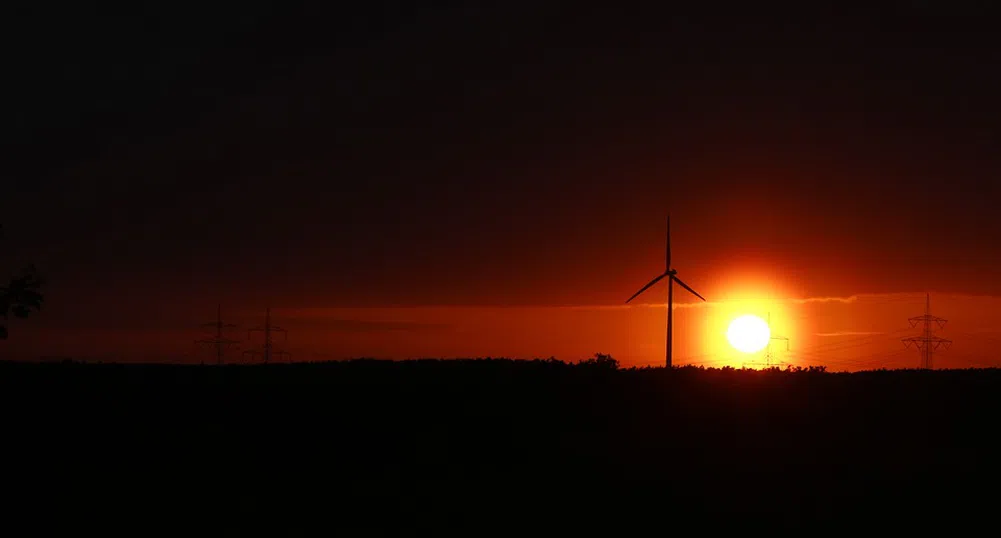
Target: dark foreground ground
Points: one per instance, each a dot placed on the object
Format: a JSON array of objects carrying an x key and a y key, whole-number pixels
[{"x": 484, "y": 445}]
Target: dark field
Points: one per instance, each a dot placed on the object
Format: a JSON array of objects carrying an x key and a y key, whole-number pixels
[{"x": 494, "y": 443}]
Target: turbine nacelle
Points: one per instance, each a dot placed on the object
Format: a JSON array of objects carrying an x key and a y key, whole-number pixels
[{"x": 672, "y": 277}]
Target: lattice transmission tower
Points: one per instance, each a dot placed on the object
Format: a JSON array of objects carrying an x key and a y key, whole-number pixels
[
  {"x": 769, "y": 361},
  {"x": 927, "y": 343},
  {"x": 220, "y": 343},
  {"x": 267, "y": 350}
]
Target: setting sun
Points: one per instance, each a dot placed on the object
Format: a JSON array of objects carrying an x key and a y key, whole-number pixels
[{"x": 748, "y": 334}]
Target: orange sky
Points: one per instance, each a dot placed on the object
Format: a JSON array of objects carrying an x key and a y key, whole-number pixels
[
  {"x": 448, "y": 187},
  {"x": 843, "y": 333}
]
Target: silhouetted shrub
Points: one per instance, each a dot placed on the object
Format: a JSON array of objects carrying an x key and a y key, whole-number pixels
[
  {"x": 20, "y": 296},
  {"x": 600, "y": 360}
]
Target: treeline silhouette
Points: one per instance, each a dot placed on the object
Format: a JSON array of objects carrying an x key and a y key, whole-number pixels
[{"x": 437, "y": 443}]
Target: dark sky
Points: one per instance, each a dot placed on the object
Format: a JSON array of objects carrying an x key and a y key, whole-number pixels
[{"x": 496, "y": 153}]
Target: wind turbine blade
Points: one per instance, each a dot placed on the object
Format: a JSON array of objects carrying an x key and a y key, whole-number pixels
[
  {"x": 644, "y": 288},
  {"x": 683, "y": 285},
  {"x": 668, "y": 268}
]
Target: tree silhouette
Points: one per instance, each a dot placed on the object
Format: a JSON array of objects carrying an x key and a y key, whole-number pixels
[
  {"x": 20, "y": 296},
  {"x": 601, "y": 360}
]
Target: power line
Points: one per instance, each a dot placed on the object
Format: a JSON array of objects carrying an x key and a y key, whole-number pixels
[
  {"x": 927, "y": 343},
  {"x": 221, "y": 344},
  {"x": 855, "y": 341},
  {"x": 768, "y": 363},
  {"x": 267, "y": 349}
]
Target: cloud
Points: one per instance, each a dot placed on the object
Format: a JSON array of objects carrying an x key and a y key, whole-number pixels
[
  {"x": 849, "y": 333},
  {"x": 866, "y": 297},
  {"x": 849, "y": 299},
  {"x": 700, "y": 304},
  {"x": 634, "y": 305},
  {"x": 983, "y": 330},
  {"x": 708, "y": 304},
  {"x": 359, "y": 325},
  {"x": 341, "y": 319},
  {"x": 860, "y": 298}
]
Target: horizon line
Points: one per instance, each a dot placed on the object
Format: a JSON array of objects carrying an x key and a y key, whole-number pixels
[{"x": 845, "y": 299}]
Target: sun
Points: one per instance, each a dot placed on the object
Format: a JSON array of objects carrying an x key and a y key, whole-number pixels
[{"x": 748, "y": 333}]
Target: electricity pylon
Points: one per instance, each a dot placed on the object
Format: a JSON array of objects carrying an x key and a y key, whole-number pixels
[
  {"x": 267, "y": 349},
  {"x": 927, "y": 343},
  {"x": 768, "y": 363},
  {"x": 220, "y": 343}
]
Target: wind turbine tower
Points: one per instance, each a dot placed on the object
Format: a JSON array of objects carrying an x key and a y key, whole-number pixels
[
  {"x": 220, "y": 343},
  {"x": 927, "y": 343},
  {"x": 267, "y": 350},
  {"x": 672, "y": 278}
]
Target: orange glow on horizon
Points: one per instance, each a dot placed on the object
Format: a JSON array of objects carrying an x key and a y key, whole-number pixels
[
  {"x": 841, "y": 333},
  {"x": 750, "y": 296}
]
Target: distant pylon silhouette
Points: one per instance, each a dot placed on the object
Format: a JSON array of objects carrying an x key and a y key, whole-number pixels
[
  {"x": 769, "y": 363},
  {"x": 927, "y": 343},
  {"x": 220, "y": 343},
  {"x": 267, "y": 350}
]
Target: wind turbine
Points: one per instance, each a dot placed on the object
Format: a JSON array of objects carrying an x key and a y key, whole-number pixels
[{"x": 672, "y": 278}]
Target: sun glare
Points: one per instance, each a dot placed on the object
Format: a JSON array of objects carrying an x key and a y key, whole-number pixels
[{"x": 748, "y": 334}]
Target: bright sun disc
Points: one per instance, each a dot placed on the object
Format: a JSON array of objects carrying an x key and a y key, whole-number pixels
[{"x": 749, "y": 334}]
